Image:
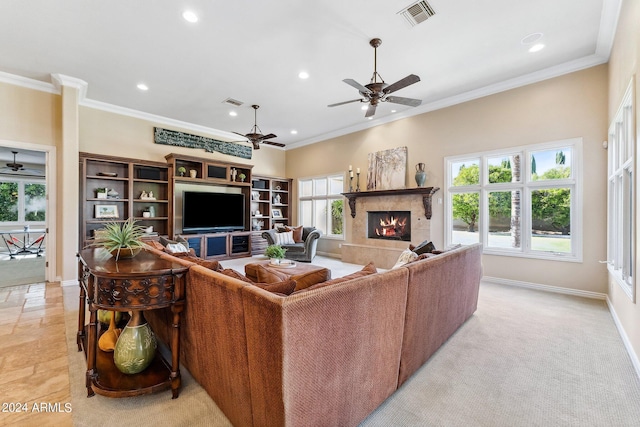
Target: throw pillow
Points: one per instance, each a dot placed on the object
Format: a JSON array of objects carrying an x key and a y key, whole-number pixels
[
  {"x": 210, "y": 264},
  {"x": 406, "y": 256},
  {"x": 177, "y": 247},
  {"x": 297, "y": 233},
  {"x": 232, "y": 273},
  {"x": 284, "y": 238},
  {"x": 424, "y": 247},
  {"x": 285, "y": 287},
  {"x": 268, "y": 275},
  {"x": 366, "y": 270},
  {"x": 156, "y": 245}
]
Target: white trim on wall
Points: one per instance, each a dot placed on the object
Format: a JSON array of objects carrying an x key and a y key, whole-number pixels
[{"x": 625, "y": 338}]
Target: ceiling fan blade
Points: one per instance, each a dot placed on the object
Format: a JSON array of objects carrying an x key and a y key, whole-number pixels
[
  {"x": 357, "y": 85},
  {"x": 371, "y": 110},
  {"x": 277, "y": 144},
  {"x": 269, "y": 136},
  {"x": 345, "y": 102},
  {"x": 409, "y": 80},
  {"x": 241, "y": 134},
  {"x": 404, "y": 101}
]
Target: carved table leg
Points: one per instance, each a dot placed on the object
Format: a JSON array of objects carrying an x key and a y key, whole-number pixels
[{"x": 175, "y": 351}]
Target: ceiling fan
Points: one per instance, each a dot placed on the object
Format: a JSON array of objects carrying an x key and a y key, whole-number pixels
[
  {"x": 19, "y": 169},
  {"x": 255, "y": 135},
  {"x": 378, "y": 91}
]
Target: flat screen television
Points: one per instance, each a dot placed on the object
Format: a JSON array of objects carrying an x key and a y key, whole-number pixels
[{"x": 212, "y": 212}]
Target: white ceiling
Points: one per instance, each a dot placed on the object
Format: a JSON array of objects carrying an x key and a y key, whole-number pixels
[{"x": 252, "y": 51}]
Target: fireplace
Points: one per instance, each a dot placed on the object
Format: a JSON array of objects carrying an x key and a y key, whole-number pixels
[{"x": 389, "y": 225}]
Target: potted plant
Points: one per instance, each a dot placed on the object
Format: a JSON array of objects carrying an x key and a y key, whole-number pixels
[
  {"x": 182, "y": 170},
  {"x": 242, "y": 176},
  {"x": 101, "y": 193},
  {"x": 275, "y": 252},
  {"x": 123, "y": 240}
]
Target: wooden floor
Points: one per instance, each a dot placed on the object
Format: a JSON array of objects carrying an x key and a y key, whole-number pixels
[{"x": 34, "y": 369}]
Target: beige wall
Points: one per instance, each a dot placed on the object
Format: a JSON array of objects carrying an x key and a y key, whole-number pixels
[
  {"x": 574, "y": 105},
  {"x": 623, "y": 67},
  {"x": 113, "y": 134}
]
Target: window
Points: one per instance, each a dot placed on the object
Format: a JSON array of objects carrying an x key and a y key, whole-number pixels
[
  {"x": 21, "y": 201},
  {"x": 321, "y": 204},
  {"x": 621, "y": 223},
  {"x": 523, "y": 201}
]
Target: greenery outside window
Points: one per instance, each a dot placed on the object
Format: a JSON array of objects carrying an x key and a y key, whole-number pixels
[
  {"x": 524, "y": 201},
  {"x": 621, "y": 203},
  {"x": 22, "y": 202},
  {"x": 321, "y": 204}
]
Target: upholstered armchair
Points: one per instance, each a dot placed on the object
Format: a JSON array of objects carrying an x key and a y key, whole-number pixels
[{"x": 304, "y": 251}]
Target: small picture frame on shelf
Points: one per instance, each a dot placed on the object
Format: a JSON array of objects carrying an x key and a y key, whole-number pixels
[
  {"x": 106, "y": 211},
  {"x": 276, "y": 213}
]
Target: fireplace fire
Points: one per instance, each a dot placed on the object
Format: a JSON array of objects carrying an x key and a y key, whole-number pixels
[{"x": 390, "y": 225}]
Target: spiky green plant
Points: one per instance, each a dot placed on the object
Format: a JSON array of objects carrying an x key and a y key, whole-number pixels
[
  {"x": 275, "y": 251},
  {"x": 116, "y": 236}
]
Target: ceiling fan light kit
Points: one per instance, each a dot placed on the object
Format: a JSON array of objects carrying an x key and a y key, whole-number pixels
[{"x": 378, "y": 91}]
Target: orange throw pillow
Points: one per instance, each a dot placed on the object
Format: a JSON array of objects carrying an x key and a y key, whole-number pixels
[
  {"x": 297, "y": 233},
  {"x": 268, "y": 275}
]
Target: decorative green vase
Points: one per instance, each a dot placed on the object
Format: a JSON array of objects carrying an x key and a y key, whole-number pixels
[
  {"x": 136, "y": 346},
  {"x": 421, "y": 175}
]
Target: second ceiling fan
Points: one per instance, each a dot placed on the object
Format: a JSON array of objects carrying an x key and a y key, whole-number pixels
[
  {"x": 255, "y": 135},
  {"x": 378, "y": 91}
]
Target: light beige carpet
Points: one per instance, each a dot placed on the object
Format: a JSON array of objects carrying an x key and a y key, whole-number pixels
[{"x": 525, "y": 358}]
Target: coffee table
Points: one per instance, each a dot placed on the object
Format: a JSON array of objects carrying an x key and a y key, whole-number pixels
[{"x": 305, "y": 274}]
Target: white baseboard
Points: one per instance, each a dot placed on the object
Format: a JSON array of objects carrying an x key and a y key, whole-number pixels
[
  {"x": 72, "y": 282},
  {"x": 587, "y": 294},
  {"x": 547, "y": 288},
  {"x": 625, "y": 338}
]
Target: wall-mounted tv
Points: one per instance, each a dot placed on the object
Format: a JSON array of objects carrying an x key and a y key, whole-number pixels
[{"x": 212, "y": 212}]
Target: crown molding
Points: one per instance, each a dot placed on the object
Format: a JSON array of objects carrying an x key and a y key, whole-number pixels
[
  {"x": 608, "y": 24},
  {"x": 60, "y": 80},
  {"x": 16, "y": 80},
  {"x": 160, "y": 120}
]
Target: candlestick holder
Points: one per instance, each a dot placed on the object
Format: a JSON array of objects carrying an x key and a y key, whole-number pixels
[
  {"x": 358, "y": 181},
  {"x": 350, "y": 184}
]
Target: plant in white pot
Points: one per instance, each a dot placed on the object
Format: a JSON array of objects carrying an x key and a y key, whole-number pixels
[
  {"x": 123, "y": 240},
  {"x": 275, "y": 253}
]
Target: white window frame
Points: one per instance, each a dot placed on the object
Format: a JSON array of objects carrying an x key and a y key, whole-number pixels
[
  {"x": 621, "y": 209},
  {"x": 526, "y": 187},
  {"x": 328, "y": 197},
  {"x": 21, "y": 200}
]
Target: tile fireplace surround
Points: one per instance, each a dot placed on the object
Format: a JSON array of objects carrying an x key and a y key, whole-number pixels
[{"x": 384, "y": 253}]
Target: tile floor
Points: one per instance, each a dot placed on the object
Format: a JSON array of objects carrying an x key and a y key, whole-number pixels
[{"x": 34, "y": 371}]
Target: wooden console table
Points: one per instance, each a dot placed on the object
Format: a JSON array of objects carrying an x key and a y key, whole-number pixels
[{"x": 146, "y": 282}]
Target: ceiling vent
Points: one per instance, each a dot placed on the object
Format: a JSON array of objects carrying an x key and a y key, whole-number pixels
[
  {"x": 233, "y": 102},
  {"x": 417, "y": 13}
]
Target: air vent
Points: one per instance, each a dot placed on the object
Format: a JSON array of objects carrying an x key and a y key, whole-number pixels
[
  {"x": 417, "y": 13},
  {"x": 233, "y": 102}
]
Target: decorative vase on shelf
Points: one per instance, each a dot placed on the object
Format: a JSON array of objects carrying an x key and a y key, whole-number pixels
[
  {"x": 421, "y": 175},
  {"x": 136, "y": 346},
  {"x": 107, "y": 341}
]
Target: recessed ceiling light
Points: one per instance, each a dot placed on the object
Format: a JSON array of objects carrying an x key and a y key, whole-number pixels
[
  {"x": 142, "y": 86},
  {"x": 303, "y": 75},
  {"x": 369, "y": 118},
  {"x": 393, "y": 111},
  {"x": 233, "y": 113},
  {"x": 190, "y": 16},
  {"x": 536, "y": 47},
  {"x": 531, "y": 38},
  {"x": 294, "y": 132},
  {"x": 364, "y": 107}
]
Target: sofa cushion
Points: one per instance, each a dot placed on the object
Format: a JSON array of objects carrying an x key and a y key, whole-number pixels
[
  {"x": 284, "y": 238},
  {"x": 366, "y": 270},
  {"x": 295, "y": 247},
  {"x": 232, "y": 273},
  {"x": 297, "y": 233},
  {"x": 406, "y": 256},
  {"x": 210, "y": 264},
  {"x": 156, "y": 245}
]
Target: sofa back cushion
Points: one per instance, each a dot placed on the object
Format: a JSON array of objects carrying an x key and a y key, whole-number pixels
[{"x": 366, "y": 270}]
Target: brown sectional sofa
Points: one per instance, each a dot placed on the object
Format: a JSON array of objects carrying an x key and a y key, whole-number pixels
[{"x": 325, "y": 357}]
